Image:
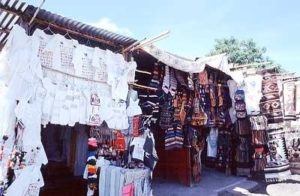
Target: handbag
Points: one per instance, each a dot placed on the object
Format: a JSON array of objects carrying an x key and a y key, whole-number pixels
[
  {"x": 240, "y": 106},
  {"x": 241, "y": 114},
  {"x": 128, "y": 190}
]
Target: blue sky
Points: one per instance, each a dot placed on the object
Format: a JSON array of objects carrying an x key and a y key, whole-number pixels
[{"x": 195, "y": 24}]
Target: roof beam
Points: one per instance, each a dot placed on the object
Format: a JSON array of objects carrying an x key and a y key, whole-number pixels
[{"x": 27, "y": 17}]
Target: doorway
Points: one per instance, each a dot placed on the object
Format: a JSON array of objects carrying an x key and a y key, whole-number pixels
[{"x": 66, "y": 152}]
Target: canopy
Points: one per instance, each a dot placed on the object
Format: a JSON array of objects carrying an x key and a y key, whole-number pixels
[{"x": 219, "y": 62}]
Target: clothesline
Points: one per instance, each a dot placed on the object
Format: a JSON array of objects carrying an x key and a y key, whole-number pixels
[{"x": 75, "y": 76}]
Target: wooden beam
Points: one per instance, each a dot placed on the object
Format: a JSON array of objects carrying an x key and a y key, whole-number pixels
[{"x": 4, "y": 30}]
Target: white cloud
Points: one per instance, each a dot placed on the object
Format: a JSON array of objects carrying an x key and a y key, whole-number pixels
[{"x": 107, "y": 24}]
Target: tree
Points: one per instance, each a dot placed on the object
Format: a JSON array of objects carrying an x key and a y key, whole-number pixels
[{"x": 240, "y": 52}]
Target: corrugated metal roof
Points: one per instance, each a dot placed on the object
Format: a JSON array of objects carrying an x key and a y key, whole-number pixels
[{"x": 7, "y": 20}]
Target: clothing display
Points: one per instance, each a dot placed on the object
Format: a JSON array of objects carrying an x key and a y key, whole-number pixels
[
  {"x": 63, "y": 83},
  {"x": 120, "y": 161},
  {"x": 48, "y": 57},
  {"x": 138, "y": 179}
]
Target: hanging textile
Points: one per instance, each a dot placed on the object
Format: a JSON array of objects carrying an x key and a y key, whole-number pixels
[
  {"x": 289, "y": 100},
  {"x": 277, "y": 167},
  {"x": 253, "y": 92},
  {"x": 243, "y": 154},
  {"x": 270, "y": 104}
]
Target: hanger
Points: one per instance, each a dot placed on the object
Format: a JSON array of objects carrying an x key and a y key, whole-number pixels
[
  {"x": 88, "y": 43},
  {"x": 48, "y": 29},
  {"x": 67, "y": 35}
]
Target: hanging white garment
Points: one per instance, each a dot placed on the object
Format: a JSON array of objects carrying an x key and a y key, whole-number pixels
[
  {"x": 74, "y": 108},
  {"x": 117, "y": 75},
  {"x": 232, "y": 89},
  {"x": 30, "y": 113},
  {"x": 83, "y": 62},
  {"x": 65, "y": 109},
  {"x": 133, "y": 108},
  {"x": 17, "y": 40},
  {"x": 82, "y": 109},
  {"x": 120, "y": 88},
  {"x": 66, "y": 50},
  {"x": 131, "y": 68},
  {"x": 25, "y": 69},
  {"x": 28, "y": 183},
  {"x": 138, "y": 149},
  {"x": 8, "y": 118},
  {"x": 58, "y": 103},
  {"x": 99, "y": 64},
  {"x": 114, "y": 113},
  {"x": 45, "y": 48},
  {"x": 238, "y": 77},
  {"x": 48, "y": 101},
  {"x": 212, "y": 142},
  {"x": 253, "y": 85}
]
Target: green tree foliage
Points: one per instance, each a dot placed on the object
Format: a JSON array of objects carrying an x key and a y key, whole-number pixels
[{"x": 240, "y": 52}]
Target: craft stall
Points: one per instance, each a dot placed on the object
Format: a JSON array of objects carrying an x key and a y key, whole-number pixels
[
  {"x": 189, "y": 107},
  {"x": 273, "y": 120},
  {"x": 66, "y": 98}
]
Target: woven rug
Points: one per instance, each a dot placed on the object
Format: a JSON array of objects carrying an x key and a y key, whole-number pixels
[
  {"x": 277, "y": 168},
  {"x": 289, "y": 103},
  {"x": 270, "y": 104},
  {"x": 292, "y": 138}
]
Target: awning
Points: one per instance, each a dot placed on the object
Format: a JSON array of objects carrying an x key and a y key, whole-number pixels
[{"x": 219, "y": 62}]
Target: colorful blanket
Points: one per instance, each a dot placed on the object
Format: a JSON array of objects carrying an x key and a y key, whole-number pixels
[
  {"x": 277, "y": 168},
  {"x": 270, "y": 104}
]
